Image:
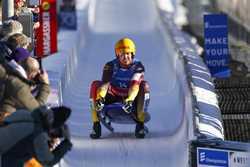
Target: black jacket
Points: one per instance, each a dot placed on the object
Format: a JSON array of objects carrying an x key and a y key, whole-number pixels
[{"x": 35, "y": 145}]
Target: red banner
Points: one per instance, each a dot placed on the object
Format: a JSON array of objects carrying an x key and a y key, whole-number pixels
[{"x": 46, "y": 34}]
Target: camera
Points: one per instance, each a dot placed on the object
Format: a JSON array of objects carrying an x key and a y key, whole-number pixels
[{"x": 37, "y": 78}]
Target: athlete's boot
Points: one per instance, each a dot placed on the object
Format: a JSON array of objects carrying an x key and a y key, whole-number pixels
[
  {"x": 97, "y": 131},
  {"x": 140, "y": 130}
]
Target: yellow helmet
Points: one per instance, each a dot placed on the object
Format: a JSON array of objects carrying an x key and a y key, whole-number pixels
[{"x": 125, "y": 45}]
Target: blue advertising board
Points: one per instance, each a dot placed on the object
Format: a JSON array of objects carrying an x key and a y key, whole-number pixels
[
  {"x": 68, "y": 16},
  {"x": 216, "y": 44},
  {"x": 207, "y": 157},
  {"x": 68, "y": 20},
  {"x": 217, "y": 157}
]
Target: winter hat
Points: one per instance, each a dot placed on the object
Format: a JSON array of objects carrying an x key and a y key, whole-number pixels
[
  {"x": 51, "y": 118},
  {"x": 20, "y": 54},
  {"x": 61, "y": 114},
  {"x": 10, "y": 27}
]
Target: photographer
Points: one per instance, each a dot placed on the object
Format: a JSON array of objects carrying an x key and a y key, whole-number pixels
[
  {"x": 46, "y": 124},
  {"x": 18, "y": 94}
]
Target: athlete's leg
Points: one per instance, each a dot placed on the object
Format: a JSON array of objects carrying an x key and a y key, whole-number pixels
[
  {"x": 142, "y": 101},
  {"x": 96, "y": 129},
  {"x": 93, "y": 95}
]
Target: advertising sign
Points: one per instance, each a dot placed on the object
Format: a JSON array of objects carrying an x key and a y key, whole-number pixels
[
  {"x": 68, "y": 19},
  {"x": 212, "y": 158},
  {"x": 216, "y": 44},
  {"x": 46, "y": 34},
  {"x": 208, "y": 157},
  {"x": 239, "y": 159}
]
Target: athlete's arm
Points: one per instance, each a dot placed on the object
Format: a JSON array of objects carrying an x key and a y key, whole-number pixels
[
  {"x": 107, "y": 72},
  {"x": 135, "y": 83},
  {"x": 106, "y": 77}
]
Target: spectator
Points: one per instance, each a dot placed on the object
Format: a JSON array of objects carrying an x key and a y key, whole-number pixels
[
  {"x": 21, "y": 6},
  {"x": 44, "y": 122},
  {"x": 35, "y": 11},
  {"x": 10, "y": 27},
  {"x": 18, "y": 8},
  {"x": 18, "y": 40},
  {"x": 13, "y": 52},
  {"x": 19, "y": 94},
  {"x": 7, "y": 48}
]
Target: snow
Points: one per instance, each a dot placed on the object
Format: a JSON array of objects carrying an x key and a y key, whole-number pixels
[
  {"x": 104, "y": 16},
  {"x": 166, "y": 5}
]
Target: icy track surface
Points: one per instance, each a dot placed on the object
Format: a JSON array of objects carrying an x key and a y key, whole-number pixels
[{"x": 106, "y": 21}]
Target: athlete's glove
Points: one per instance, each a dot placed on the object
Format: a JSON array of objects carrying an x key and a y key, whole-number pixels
[
  {"x": 127, "y": 106},
  {"x": 99, "y": 104}
]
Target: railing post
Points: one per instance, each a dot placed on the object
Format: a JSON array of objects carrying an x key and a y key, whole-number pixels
[{"x": 7, "y": 9}]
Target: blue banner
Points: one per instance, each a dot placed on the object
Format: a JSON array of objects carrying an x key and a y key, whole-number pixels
[
  {"x": 212, "y": 158},
  {"x": 68, "y": 17},
  {"x": 68, "y": 20},
  {"x": 216, "y": 44}
]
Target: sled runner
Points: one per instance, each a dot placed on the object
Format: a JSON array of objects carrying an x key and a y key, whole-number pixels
[{"x": 114, "y": 113}]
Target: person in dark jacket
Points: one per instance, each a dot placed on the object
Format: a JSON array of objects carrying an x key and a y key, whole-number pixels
[
  {"x": 43, "y": 125},
  {"x": 18, "y": 94}
]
